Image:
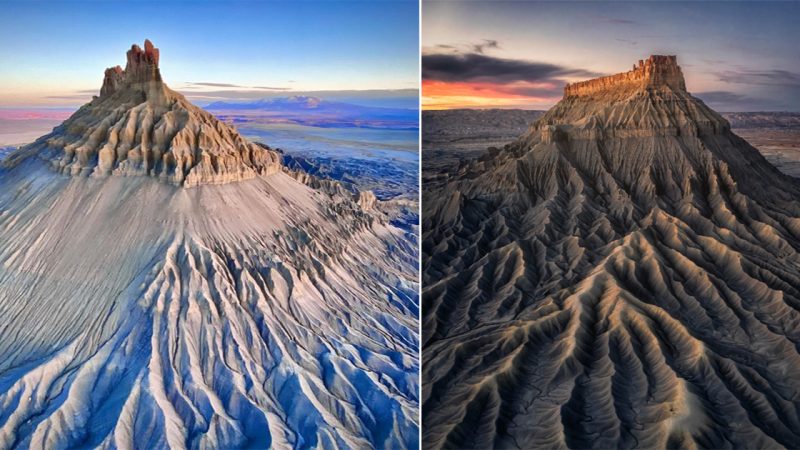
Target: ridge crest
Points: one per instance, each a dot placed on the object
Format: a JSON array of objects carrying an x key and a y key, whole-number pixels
[{"x": 656, "y": 71}]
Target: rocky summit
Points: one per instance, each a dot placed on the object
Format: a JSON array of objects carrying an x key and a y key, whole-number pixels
[
  {"x": 139, "y": 126},
  {"x": 625, "y": 274}
]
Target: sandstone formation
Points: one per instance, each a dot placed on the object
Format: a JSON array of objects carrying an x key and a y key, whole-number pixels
[
  {"x": 270, "y": 312},
  {"x": 366, "y": 200},
  {"x": 624, "y": 275},
  {"x": 655, "y": 71},
  {"x": 138, "y": 126}
]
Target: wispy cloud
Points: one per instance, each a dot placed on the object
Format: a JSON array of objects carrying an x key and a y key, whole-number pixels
[
  {"x": 205, "y": 97},
  {"x": 486, "y": 44},
  {"x": 271, "y": 88},
  {"x": 775, "y": 77},
  {"x": 69, "y": 97},
  {"x": 614, "y": 20},
  {"x": 205, "y": 84},
  {"x": 721, "y": 97},
  {"x": 446, "y": 47},
  {"x": 405, "y": 97},
  {"x": 216, "y": 84},
  {"x": 736, "y": 101},
  {"x": 480, "y": 47}
]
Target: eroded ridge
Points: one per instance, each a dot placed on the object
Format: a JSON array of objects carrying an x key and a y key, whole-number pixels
[
  {"x": 627, "y": 274},
  {"x": 138, "y": 126},
  {"x": 223, "y": 317},
  {"x": 655, "y": 71}
]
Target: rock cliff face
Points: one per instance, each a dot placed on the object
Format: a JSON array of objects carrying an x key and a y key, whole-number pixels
[
  {"x": 138, "y": 126},
  {"x": 657, "y": 72},
  {"x": 626, "y": 274}
]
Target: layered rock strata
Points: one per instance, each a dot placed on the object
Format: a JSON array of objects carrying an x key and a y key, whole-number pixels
[{"x": 657, "y": 71}]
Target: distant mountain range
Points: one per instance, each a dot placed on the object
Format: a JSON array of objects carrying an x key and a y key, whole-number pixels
[{"x": 306, "y": 110}]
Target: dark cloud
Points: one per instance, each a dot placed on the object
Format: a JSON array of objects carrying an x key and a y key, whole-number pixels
[
  {"x": 478, "y": 67},
  {"x": 486, "y": 44},
  {"x": 774, "y": 77}
]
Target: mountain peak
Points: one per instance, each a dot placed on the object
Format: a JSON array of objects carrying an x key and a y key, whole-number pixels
[
  {"x": 657, "y": 71},
  {"x": 138, "y": 126},
  {"x": 141, "y": 67},
  {"x": 311, "y": 102},
  {"x": 143, "y": 64}
]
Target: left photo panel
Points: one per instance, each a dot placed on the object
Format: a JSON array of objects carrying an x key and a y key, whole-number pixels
[{"x": 209, "y": 225}]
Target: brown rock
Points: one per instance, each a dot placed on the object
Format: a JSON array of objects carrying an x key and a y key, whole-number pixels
[
  {"x": 657, "y": 71},
  {"x": 366, "y": 200},
  {"x": 142, "y": 65},
  {"x": 113, "y": 79}
]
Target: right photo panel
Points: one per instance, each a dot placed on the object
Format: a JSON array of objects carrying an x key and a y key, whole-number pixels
[{"x": 610, "y": 225}]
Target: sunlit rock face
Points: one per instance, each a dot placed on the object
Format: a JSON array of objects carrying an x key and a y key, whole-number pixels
[
  {"x": 626, "y": 274},
  {"x": 260, "y": 307},
  {"x": 654, "y": 72}
]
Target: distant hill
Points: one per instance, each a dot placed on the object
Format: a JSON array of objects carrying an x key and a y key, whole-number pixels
[
  {"x": 459, "y": 124},
  {"x": 306, "y": 110},
  {"x": 763, "y": 119}
]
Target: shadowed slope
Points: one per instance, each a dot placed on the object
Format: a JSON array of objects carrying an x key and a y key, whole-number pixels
[{"x": 626, "y": 274}]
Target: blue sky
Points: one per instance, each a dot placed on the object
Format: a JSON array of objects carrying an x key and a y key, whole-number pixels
[
  {"x": 53, "y": 53},
  {"x": 735, "y": 55}
]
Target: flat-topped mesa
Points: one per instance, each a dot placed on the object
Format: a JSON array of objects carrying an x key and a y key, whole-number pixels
[
  {"x": 656, "y": 71},
  {"x": 141, "y": 67}
]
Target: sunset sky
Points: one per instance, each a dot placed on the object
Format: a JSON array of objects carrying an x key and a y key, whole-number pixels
[
  {"x": 54, "y": 53},
  {"x": 736, "y": 56}
]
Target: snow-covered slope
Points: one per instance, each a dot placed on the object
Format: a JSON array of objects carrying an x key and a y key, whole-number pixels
[
  {"x": 139, "y": 312},
  {"x": 626, "y": 274}
]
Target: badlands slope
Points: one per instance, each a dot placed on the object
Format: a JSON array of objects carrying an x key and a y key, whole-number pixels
[
  {"x": 625, "y": 275},
  {"x": 166, "y": 284}
]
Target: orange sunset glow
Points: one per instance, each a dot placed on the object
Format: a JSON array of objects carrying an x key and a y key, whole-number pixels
[{"x": 469, "y": 94}]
